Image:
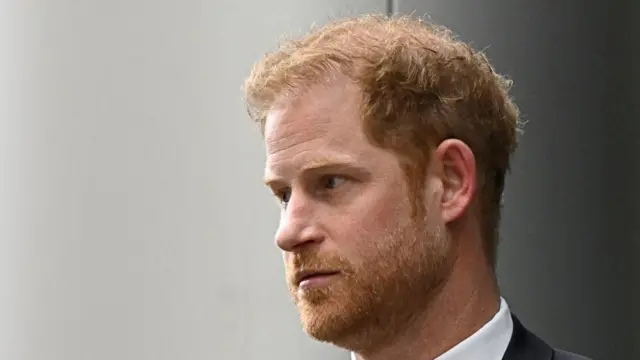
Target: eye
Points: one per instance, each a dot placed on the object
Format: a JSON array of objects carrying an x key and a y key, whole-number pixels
[
  {"x": 330, "y": 182},
  {"x": 283, "y": 195}
]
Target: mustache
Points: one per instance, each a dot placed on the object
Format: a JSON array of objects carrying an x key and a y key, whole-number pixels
[{"x": 308, "y": 262}]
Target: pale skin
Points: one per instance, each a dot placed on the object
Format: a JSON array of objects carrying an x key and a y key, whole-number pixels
[{"x": 343, "y": 196}]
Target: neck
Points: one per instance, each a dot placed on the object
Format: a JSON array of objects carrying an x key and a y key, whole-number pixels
[{"x": 467, "y": 300}]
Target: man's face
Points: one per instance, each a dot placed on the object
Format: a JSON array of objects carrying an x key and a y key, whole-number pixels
[{"x": 358, "y": 265}]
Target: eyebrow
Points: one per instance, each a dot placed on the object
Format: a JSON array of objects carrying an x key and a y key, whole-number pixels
[{"x": 321, "y": 165}]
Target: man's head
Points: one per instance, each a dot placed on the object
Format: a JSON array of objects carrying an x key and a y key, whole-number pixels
[{"x": 387, "y": 140}]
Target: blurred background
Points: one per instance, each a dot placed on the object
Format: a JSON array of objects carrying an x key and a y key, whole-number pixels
[{"x": 133, "y": 220}]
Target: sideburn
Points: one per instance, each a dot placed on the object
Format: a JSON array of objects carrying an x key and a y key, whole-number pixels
[{"x": 415, "y": 175}]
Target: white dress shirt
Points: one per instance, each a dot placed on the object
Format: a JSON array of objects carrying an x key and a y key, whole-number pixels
[{"x": 488, "y": 343}]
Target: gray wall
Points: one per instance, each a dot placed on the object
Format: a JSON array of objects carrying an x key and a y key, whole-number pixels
[
  {"x": 134, "y": 221},
  {"x": 569, "y": 235},
  {"x": 133, "y": 224},
  {"x": 632, "y": 130}
]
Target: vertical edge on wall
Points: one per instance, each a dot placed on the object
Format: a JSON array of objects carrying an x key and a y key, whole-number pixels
[
  {"x": 392, "y": 7},
  {"x": 634, "y": 49}
]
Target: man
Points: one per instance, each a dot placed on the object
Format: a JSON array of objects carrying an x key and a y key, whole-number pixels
[{"x": 387, "y": 146}]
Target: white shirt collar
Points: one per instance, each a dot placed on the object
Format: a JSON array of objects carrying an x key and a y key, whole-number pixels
[{"x": 488, "y": 343}]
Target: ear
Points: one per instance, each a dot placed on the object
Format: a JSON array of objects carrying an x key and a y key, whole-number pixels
[{"x": 458, "y": 174}]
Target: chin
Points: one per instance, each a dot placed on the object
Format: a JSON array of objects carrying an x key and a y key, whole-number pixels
[
  {"x": 337, "y": 320},
  {"x": 325, "y": 326}
]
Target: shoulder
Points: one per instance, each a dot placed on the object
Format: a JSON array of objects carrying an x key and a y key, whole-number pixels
[
  {"x": 525, "y": 345},
  {"x": 565, "y": 355}
]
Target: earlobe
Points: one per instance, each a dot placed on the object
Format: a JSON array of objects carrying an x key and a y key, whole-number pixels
[{"x": 458, "y": 177}]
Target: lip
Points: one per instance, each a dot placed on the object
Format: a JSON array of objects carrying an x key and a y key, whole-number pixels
[{"x": 309, "y": 275}]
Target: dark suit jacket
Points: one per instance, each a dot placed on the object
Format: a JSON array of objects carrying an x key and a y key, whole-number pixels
[{"x": 524, "y": 345}]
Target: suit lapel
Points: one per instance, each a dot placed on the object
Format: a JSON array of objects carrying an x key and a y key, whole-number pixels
[{"x": 526, "y": 346}]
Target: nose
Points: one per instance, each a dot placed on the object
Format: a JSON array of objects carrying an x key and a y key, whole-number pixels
[{"x": 299, "y": 225}]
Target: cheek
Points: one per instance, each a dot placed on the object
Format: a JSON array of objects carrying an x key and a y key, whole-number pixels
[
  {"x": 371, "y": 229},
  {"x": 389, "y": 211},
  {"x": 433, "y": 207}
]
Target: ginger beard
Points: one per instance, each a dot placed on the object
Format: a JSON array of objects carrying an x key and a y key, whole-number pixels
[{"x": 399, "y": 268}]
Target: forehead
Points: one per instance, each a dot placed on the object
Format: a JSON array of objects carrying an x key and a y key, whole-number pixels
[
  {"x": 319, "y": 111},
  {"x": 323, "y": 125}
]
